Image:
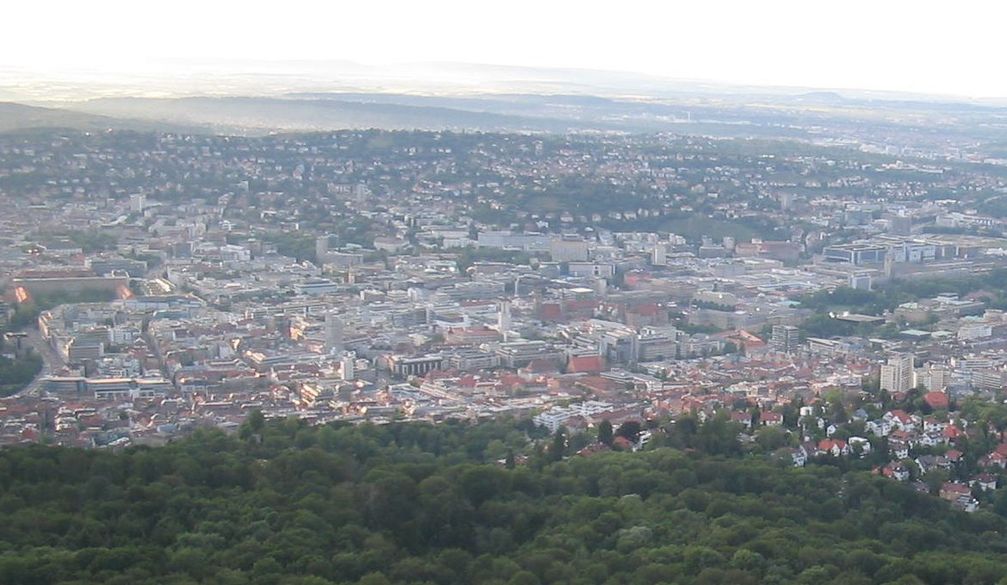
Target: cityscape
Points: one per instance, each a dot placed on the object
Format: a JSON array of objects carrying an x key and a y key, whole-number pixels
[
  {"x": 450, "y": 293},
  {"x": 831, "y": 302}
]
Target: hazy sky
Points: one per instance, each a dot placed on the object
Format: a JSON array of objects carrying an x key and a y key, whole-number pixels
[{"x": 950, "y": 47}]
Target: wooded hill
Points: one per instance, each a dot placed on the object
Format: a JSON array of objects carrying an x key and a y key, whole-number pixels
[{"x": 282, "y": 502}]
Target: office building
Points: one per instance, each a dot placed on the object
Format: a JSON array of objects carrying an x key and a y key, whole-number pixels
[
  {"x": 785, "y": 338},
  {"x": 898, "y": 374}
]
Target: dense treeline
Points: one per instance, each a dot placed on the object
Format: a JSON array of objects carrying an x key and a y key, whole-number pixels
[
  {"x": 17, "y": 373},
  {"x": 17, "y": 369},
  {"x": 418, "y": 504},
  {"x": 875, "y": 302},
  {"x": 26, "y": 314}
]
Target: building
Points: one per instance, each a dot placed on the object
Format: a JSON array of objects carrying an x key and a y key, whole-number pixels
[
  {"x": 656, "y": 346},
  {"x": 519, "y": 354},
  {"x": 321, "y": 249},
  {"x": 898, "y": 374},
  {"x": 567, "y": 249},
  {"x": 137, "y": 202},
  {"x": 600, "y": 270},
  {"x": 348, "y": 365},
  {"x": 784, "y": 338},
  {"x": 333, "y": 334},
  {"x": 471, "y": 359},
  {"x": 782, "y": 251},
  {"x": 315, "y": 393},
  {"x": 528, "y": 241},
  {"x": 109, "y": 265},
  {"x": 555, "y": 417},
  {"x": 856, "y": 254},
  {"x": 315, "y": 287},
  {"x": 106, "y": 388},
  {"x": 935, "y": 378},
  {"x": 659, "y": 255},
  {"x": 405, "y": 366},
  {"x": 69, "y": 282},
  {"x": 341, "y": 260},
  {"x": 861, "y": 280},
  {"x": 504, "y": 320}
]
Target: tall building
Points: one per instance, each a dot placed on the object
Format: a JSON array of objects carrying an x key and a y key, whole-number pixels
[
  {"x": 659, "y": 256},
  {"x": 137, "y": 202},
  {"x": 785, "y": 338},
  {"x": 333, "y": 334},
  {"x": 935, "y": 378},
  {"x": 898, "y": 374},
  {"x": 503, "y": 320},
  {"x": 321, "y": 248},
  {"x": 347, "y": 365}
]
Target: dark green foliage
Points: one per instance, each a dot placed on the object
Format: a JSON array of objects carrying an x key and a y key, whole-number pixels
[
  {"x": 282, "y": 502},
  {"x": 469, "y": 256},
  {"x": 15, "y": 374},
  {"x": 629, "y": 430},
  {"x": 296, "y": 246},
  {"x": 605, "y": 434},
  {"x": 89, "y": 241},
  {"x": 895, "y": 293},
  {"x": 26, "y": 314},
  {"x": 93, "y": 240},
  {"x": 558, "y": 448}
]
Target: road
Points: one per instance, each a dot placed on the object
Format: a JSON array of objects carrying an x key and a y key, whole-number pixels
[{"x": 51, "y": 362}]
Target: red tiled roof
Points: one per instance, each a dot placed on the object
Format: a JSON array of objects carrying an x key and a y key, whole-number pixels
[
  {"x": 936, "y": 400},
  {"x": 586, "y": 364},
  {"x": 951, "y": 432}
]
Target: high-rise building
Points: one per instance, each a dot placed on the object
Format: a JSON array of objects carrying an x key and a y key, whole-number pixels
[
  {"x": 898, "y": 374},
  {"x": 321, "y": 248},
  {"x": 785, "y": 338},
  {"x": 503, "y": 319},
  {"x": 659, "y": 257},
  {"x": 935, "y": 378},
  {"x": 137, "y": 202},
  {"x": 333, "y": 334},
  {"x": 347, "y": 365}
]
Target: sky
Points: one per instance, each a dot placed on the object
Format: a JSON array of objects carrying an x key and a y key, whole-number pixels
[{"x": 922, "y": 46}]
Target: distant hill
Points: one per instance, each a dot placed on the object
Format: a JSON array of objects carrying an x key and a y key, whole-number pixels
[
  {"x": 271, "y": 113},
  {"x": 745, "y": 116},
  {"x": 17, "y": 117},
  {"x": 486, "y": 112},
  {"x": 20, "y": 117}
]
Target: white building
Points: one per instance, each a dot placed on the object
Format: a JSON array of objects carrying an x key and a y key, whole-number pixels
[{"x": 898, "y": 374}]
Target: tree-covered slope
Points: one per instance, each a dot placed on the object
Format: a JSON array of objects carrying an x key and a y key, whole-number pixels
[{"x": 419, "y": 504}]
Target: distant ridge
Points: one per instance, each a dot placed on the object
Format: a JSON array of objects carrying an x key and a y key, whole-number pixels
[
  {"x": 317, "y": 113},
  {"x": 16, "y": 117}
]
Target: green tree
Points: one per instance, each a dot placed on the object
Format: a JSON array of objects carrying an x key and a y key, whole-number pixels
[{"x": 605, "y": 434}]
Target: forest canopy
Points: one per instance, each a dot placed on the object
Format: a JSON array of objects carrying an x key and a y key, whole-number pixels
[{"x": 283, "y": 502}]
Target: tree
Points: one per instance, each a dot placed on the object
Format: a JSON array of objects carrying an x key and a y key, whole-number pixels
[
  {"x": 605, "y": 434},
  {"x": 770, "y": 438},
  {"x": 253, "y": 425},
  {"x": 420, "y": 503},
  {"x": 558, "y": 447},
  {"x": 630, "y": 430}
]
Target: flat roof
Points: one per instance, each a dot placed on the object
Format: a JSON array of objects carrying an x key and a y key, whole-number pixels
[{"x": 858, "y": 318}]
